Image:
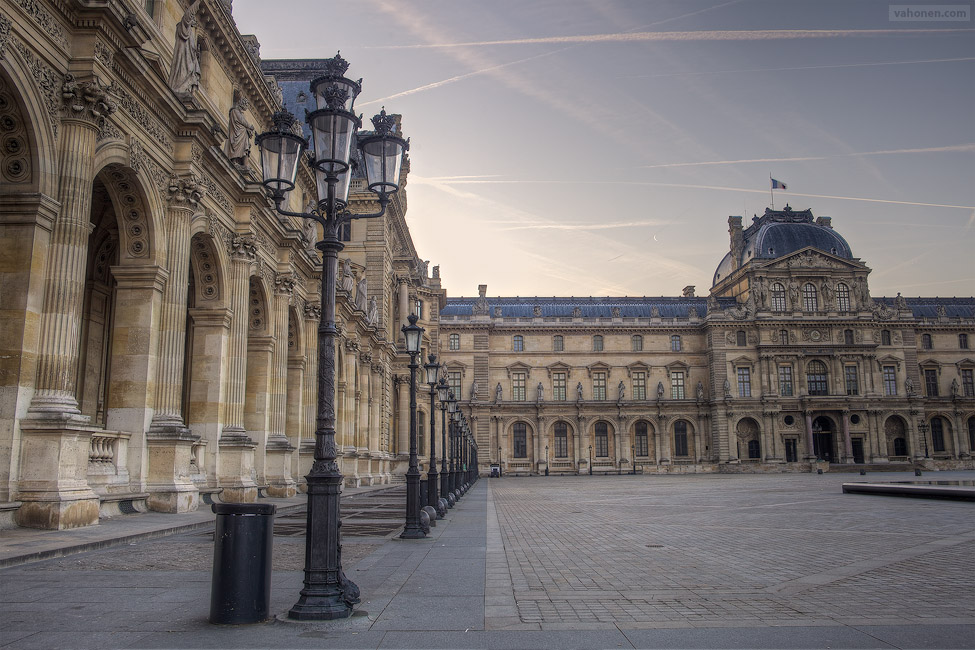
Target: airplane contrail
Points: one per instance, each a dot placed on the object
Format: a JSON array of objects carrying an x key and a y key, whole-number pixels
[
  {"x": 801, "y": 67},
  {"x": 703, "y": 35},
  {"x": 886, "y": 152}
]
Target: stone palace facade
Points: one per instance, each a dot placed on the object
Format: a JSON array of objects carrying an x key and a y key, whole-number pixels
[
  {"x": 788, "y": 362},
  {"x": 158, "y": 320}
]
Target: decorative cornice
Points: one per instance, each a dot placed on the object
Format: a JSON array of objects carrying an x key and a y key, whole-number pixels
[
  {"x": 48, "y": 82},
  {"x": 5, "y": 29},
  {"x": 149, "y": 122},
  {"x": 46, "y": 21}
]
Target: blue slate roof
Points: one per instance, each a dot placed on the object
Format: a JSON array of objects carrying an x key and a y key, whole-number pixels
[
  {"x": 556, "y": 307},
  {"x": 928, "y": 307}
]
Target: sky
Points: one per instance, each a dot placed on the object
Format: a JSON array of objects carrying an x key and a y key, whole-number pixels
[{"x": 597, "y": 147}]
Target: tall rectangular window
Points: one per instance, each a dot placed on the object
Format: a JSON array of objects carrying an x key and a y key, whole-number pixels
[
  {"x": 558, "y": 386},
  {"x": 680, "y": 438},
  {"x": 599, "y": 385},
  {"x": 967, "y": 383},
  {"x": 637, "y": 343},
  {"x": 518, "y": 344},
  {"x": 602, "y": 440},
  {"x": 520, "y": 440},
  {"x": 852, "y": 385},
  {"x": 842, "y": 297},
  {"x": 937, "y": 434},
  {"x": 597, "y": 343},
  {"x": 642, "y": 446},
  {"x": 639, "y": 385},
  {"x": 675, "y": 343},
  {"x": 785, "y": 381},
  {"x": 558, "y": 343},
  {"x": 453, "y": 380},
  {"x": 890, "y": 380},
  {"x": 931, "y": 382},
  {"x": 454, "y": 342},
  {"x": 677, "y": 385},
  {"x": 744, "y": 382},
  {"x": 518, "y": 387},
  {"x": 561, "y": 440}
]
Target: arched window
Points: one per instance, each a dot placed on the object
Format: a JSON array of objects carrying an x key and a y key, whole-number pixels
[
  {"x": 454, "y": 342},
  {"x": 816, "y": 378},
  {"x": 637, "y": 343},
  {"x": 784, "y": 337},
  {"x": 674, "y": 343},
  {"x": 680, "y": 438},
  {"x": 602, "y": 440},
  {"x": 842, "y": 297},
  {"x": 778, "y": 297},
  {"x": 754, "y": 450},
  {"x": 561, "y": 440},
  {"x": 900, "y": 447},
  {"x": 937, "y": 434},
  {"x": 810, "y": 299},
  {"x": 926, "y": 342},
  {"x": 848, "y": 337},
  {"x": 518, "y": 344},
  {"x": 558, "y": 343},
  {"x": 520, "y": 440},
  {"x": 741, "y": 338},
  {"x": 642, "y": 447},
  {"x": 963, "y": 341},
  {"x": 597, "y": 343},
  {"x": 885, "y": 337}
]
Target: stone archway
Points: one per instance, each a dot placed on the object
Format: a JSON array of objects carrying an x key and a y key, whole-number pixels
[
  {"x": 824, "y": 439},
  {"x": 749, "y": 439},
  {"x": 896, "y": 438}
]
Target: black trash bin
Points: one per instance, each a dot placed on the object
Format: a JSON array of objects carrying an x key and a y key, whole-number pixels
[{"x": 241, "y": 587}]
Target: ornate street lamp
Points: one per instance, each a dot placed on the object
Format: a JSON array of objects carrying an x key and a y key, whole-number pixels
[
  {"x": 922, "y": 426},
  {"x": 500, "y": 472},
  {"x": 546, "y": 460},
  {"x": 633, "y": 459},
  {"x": 432, "y": 369},
  {"x": 454, "y": 416},
  {"x": 412, "y": 530},
  {"x": 443, "y": 394},
  {"x": 590, "y": 460},
  {"x": 328, "y": 594}
]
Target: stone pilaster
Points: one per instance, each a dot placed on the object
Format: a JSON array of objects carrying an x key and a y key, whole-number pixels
[
  {"x": 277, "y": 468},
  {"x": 170, "y": 442},
  {"x": 236, "y": 466},
  {"x": 56, "y": 443},
  {"x": 306, "y": 448}
]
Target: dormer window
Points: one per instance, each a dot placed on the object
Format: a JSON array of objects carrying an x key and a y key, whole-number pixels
[{"x": 771, "y": 251}]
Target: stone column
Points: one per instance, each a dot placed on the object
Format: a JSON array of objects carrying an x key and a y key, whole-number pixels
[
  {"x": 277, "y": 464},
  {"x": 55, "y": 447},
  {"x": 403, "y": 418},
  {"x": 404, "y": 305},
  {"x": 847, "y": 441},
  {"x": 170, "y": 443},
  {"x": 236, "y": 464},
  {"x": 306, "y": 447},
  {"x": 810, "y": 446}
]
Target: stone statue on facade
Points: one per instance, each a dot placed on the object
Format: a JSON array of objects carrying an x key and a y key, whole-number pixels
[
  {"x": 727, "y": 388},
  {"x": 540, "y": 394},
  {"x": 899, "y": 302},
  {"x": 473, "y": 391},
  {"x": 347, "y": 283},
  {"x": 762, "y": 291},
  {"x": 373, "y": 314},
  {"x": 184, "y": 76},
  {"x": 954, "y": 387},
  {"x": 360, "y": 294},
  {"x": 794, "y": 295},
  {"x": 309, "y": 233},
  {"x": 238, "y": 145},
  {"x": 579, "y": 391},
  {"x": 827, "y": 291},
  {"x": 497, "y": 393},
  {"x": 620, "y": 391},
  {"x": 700, "y": 391},
  {"x": 909, "y": 386},
  {"x": 660, "y": 390}
]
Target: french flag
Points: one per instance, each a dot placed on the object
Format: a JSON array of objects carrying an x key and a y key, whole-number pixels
[{"x": 778, "y": 185}]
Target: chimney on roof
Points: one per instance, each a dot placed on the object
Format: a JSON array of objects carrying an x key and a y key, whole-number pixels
[
  {"x": 689, "y": 291},
  {"x": 826, "y": 222},
  {"x": 482, "y": 290}
]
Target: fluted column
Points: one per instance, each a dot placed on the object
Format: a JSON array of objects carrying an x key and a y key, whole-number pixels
[
  {"x": 277, "y": 469},
  {"x": 403, "y": 419},
  {"x": 54, "y": 451},
  {"x": 236, "y": 465}
]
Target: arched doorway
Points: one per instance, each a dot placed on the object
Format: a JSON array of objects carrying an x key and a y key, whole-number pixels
[
  {"x": 895, "y": 432},
  {"x": 823, "y": 439}
]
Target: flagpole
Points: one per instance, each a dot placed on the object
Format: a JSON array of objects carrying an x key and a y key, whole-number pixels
[{"x": 770, "y": 190}]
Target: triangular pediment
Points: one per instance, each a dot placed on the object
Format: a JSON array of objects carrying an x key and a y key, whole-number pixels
[
  {"x": 812, "y": 258},
  {"x": 599, "y": 366},
  {"x": 518, "y": 366},
  {"x": 637, "y": 366},
  {"x": 559, "y": 366}
]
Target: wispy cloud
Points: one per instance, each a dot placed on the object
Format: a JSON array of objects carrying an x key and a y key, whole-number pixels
[
  {"x": 588, "y": 226},
  {"x": 800, "y": 67},
  {"x": 702, "y": 35},
  {"x": 886, "y": 152}
]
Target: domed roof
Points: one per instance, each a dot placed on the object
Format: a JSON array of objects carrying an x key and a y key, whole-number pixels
[{"x": 782, "y": 232}]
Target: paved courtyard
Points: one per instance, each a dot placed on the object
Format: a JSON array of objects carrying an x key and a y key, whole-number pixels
[{"x": 562, "y": 563}]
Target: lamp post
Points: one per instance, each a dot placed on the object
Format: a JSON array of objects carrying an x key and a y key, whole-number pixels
[
  {"x": 633, "y": 459},
  {"x": 443, "y": 394},
  {"x": 433, "y": 498},
  {"x": 454, "y": 416},
  {"x": 590, "y": 460},
  {"x": 546, "y": 460},
  {"x": 412, "y": 530},
  {"x": 500, "y": 471},
  {"x": 327, "y": 593},
  {"x": 922, "y": 426}
]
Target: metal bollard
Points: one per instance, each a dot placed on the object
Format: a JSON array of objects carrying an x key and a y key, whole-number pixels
[{"x": 241, "y": 588}]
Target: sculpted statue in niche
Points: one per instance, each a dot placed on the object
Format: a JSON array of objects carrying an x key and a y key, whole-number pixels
[
  {"x": 954, "y": 387},
  {"x": 762, "y": 291},
  {"x": 360, "y": 294},
  {"x": 239, "y": 143},
  {"x": 700, "y": 390},
  {"x": 827, "y": 292},
  {"x": 184, "y": 76},
  {"x": 540, "y": 395},
  {"x": 620, "y": 391},
  {"x": 909, "y": 386},
  {"x": 348, "y": 279},
  {"x": 899, "y": 302},
  {"x": 660, "y": 390},
  {"x": 309, "y": 232},
  {"x": 373, "y": 314},
  {"x": 579, "y": 391},
  {"x": 794, "y": 295},
  {"x": 727, "y": 388},
  {"x": 473, "y": 391},
  {"x": 497, "y": 392}
]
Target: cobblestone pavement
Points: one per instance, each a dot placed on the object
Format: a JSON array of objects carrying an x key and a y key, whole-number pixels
[{"x": 738, "y": 550}]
